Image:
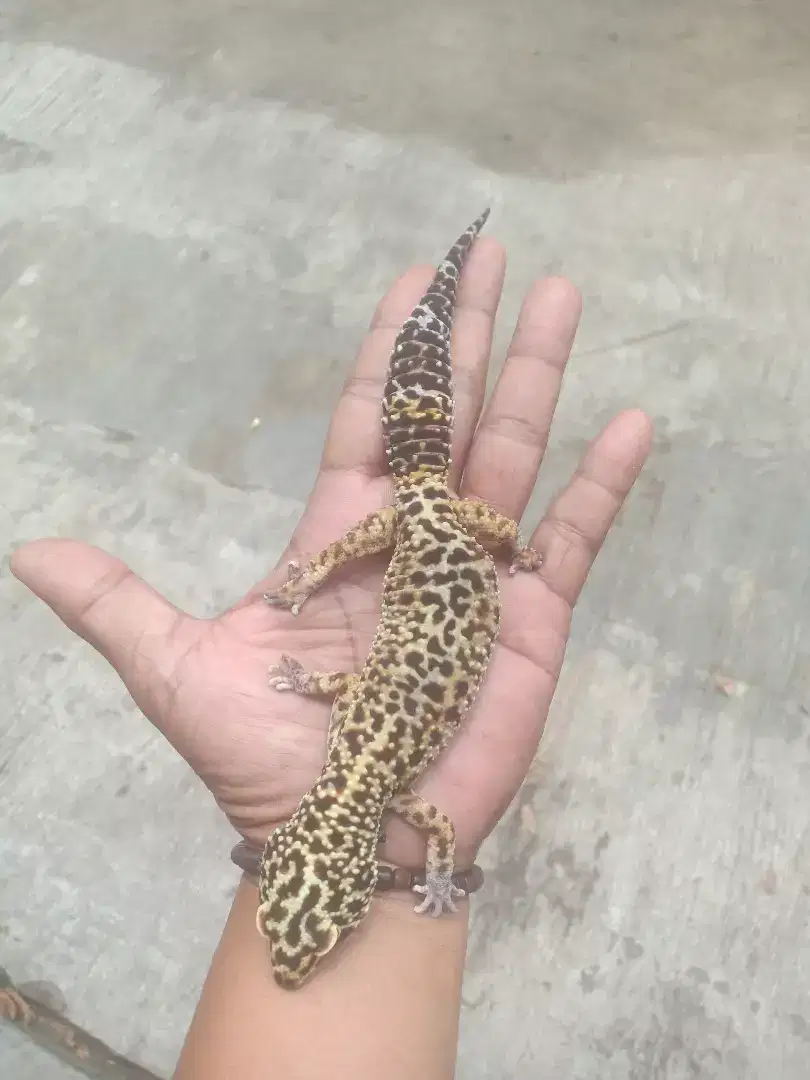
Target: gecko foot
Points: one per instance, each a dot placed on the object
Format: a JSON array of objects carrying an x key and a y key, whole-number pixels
[
  {"x": 289, "y": 674},
  {"x": 526, "y": 559},
  {"x": 291, "y": 595},
  {"x": 439, "y": 892}
]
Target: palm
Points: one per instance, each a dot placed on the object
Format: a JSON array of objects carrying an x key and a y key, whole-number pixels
[
  {"x": 203, "y": 683},
  {"x": 244, "y": 730}
]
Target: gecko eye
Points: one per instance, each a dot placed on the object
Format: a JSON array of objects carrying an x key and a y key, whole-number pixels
[{"x": 339, "y": 783}]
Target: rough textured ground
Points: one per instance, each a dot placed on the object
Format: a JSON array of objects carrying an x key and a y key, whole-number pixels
[
  {"x": 200, "y": 204},
  {"x": 23, "y": 1060}
]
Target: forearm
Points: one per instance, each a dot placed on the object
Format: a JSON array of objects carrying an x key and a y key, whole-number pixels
[{"x": 386, "y": 1005}]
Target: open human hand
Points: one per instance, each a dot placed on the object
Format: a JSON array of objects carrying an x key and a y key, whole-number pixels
[{"x": 203, "y": 682}]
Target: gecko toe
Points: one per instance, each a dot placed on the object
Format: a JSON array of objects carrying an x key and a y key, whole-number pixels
[
  {"x": 286, "y": 675},
  {"x": 439, "y": 893},
  {"x": 527, "y": 559},
  {"x": 288, "y": 596},
  {"x": 279, "y": 684}
]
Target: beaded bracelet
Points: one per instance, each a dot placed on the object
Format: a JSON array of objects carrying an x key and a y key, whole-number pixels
[{"x": 247, "y": 858}]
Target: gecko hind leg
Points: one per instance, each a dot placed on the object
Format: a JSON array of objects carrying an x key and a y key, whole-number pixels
[
  {"x": 439, "y": 891},
  {"x": 486, "y": 525},
  {"x": 373, "y": 534}
]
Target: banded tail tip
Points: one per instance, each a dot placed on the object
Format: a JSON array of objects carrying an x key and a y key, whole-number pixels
[
  {"x": 479, "y": 223},
  {"x": 481, "y": 220},
  {"x": 457, "y": 254}
]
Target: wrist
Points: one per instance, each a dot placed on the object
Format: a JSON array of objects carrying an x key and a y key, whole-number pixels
[
  {"x": 391, "y": 880},
  {"x": 400, "y": 972},
  {"x": 399, "y": 903}
]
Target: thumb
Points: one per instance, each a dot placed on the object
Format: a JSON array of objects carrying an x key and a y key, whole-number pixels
[{"x": 103, "y": 601}]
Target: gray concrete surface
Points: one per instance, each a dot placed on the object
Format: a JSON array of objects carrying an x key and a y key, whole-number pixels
[
  {"x": 199, "y": 205},
  {"x": 23, "y": 1060}
]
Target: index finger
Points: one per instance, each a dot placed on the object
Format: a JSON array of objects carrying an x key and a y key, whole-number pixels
[{"x": 354, "y": 441}]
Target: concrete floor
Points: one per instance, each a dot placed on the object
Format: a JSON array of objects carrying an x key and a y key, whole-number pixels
[
  {"x": 200, "y": 204},
  {"x": 23, "y": 1060}
]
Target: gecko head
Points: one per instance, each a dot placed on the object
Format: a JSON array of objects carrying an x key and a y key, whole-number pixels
[{"x": 313, "y": 895}]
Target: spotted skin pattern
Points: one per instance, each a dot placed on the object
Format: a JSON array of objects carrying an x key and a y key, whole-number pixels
[{"x": 440, "y": 612}]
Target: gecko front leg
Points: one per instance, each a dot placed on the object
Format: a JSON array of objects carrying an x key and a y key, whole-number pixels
[
  {"x": 439, "y": 891},
  {"x": 373, "y": 534},
  {"x": 489, "y": 527},
  {"x": 291, "y": 675}
]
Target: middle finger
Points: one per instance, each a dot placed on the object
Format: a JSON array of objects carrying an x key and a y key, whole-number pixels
[
  {"x": 479, "y": 293},
  {"x": 513, "y": 433}
]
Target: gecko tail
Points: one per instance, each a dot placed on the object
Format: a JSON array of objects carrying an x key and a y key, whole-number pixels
[{"x": 418, "y": 398}]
